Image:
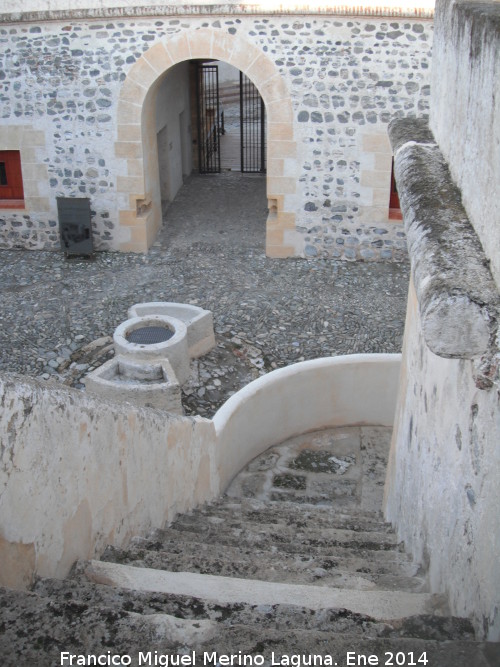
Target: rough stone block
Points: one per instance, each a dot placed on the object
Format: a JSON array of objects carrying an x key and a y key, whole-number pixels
[{"x": 458, "y": 299}]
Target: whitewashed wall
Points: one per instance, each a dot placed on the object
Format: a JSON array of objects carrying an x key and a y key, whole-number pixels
[
  {"x": 78, "y": 472},
  {"x": 443, "y": 483},
  {"x": 465, "y": 115},
  {"x": 173, "y": 133}
]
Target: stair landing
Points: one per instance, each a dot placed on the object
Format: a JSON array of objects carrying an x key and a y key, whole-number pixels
[{"x": 343, "y": 468}]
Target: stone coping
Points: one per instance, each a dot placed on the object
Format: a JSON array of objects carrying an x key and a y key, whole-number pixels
[
  {"x": 458, "y": 298},
  {"x": 423, "y": 9}
]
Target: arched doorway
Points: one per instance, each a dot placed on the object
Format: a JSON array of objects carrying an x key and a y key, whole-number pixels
[{"x": 139, "y": 186}]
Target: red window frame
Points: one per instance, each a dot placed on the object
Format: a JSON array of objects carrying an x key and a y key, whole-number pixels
[
  {"x": 11, "y": 180},
  {"x": 394, "y": 207}
]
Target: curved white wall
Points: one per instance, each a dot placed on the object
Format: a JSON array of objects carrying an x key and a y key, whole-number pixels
[{"x": 333, "y": 391}]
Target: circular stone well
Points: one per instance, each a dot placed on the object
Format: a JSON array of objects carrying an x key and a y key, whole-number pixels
[{"x": 155, "y": 337}]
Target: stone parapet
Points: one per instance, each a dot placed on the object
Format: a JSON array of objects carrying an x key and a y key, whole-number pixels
[
  {"x": 458, "y": 299},
  {"x": 36, "y": 10}
]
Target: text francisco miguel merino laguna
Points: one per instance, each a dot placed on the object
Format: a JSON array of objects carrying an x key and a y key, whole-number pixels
[
  {"x": 214, "y": 659},
  {"x": 208, "y": 659}
]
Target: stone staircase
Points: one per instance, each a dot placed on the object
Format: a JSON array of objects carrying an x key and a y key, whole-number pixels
[{"x": 295, "y": 560}]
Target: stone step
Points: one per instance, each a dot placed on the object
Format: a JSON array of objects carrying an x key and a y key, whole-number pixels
[
  {"x": 251, "y": 563},
  {"x": 210, "y": 526},
  {"x": 379, "y": 605},
  {"x": 82, "y": 627},
  {"x": 345, "y": 528},
  {"x": 271, "y": 512},
  {"x": 36, "y": 630},
  {"x": 346, "y": 502},
  {"x": 301, "y": 545},
  {"x": 279, "y": 617}
]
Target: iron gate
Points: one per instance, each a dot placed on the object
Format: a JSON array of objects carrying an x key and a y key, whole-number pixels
[
  {"x": 252, "y": 127},
  {"x": 207, "y": 91}
]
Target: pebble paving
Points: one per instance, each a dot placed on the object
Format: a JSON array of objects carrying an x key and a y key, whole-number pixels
[{"x": 58, "y": 314}]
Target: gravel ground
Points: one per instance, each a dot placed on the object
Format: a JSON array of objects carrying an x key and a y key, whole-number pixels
[{"x": 58, "y": 315}]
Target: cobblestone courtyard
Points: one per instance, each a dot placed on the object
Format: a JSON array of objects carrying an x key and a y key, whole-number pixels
[{"x": 58, "y": 315}]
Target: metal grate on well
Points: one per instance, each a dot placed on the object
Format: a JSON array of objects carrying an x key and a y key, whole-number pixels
[{"x": 149, "y": 335}]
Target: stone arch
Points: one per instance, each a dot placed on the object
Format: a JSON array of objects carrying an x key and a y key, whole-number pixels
[{"x": 137, "y": 185}]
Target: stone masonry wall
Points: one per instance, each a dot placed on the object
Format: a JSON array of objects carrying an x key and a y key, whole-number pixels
[{"x": 347, "y": 77}]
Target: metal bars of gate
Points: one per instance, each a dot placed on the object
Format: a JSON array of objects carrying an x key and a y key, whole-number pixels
[
  {"x": 252, "y": 127},
  {"x": 207, "y": 92}
]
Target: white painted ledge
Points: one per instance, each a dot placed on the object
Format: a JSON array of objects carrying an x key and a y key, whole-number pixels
[{"x": 333, "y": 391}]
